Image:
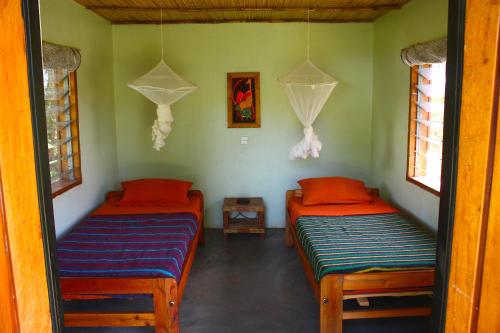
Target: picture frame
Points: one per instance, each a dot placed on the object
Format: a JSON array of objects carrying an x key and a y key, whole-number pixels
[{"x": 243, "y": 100}]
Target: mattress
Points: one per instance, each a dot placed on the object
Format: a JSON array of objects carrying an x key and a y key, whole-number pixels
[
  {"x": 146, "y": 245},
  {"x": 364, "y": 243},
  {"x": 378, "y": 206}
]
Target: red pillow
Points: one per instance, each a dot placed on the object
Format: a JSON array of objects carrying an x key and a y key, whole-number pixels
[
  {"x": 333, "y": 190},
  {"x": 155, "y": 192}
]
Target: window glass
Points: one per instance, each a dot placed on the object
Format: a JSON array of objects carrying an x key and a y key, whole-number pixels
[
  {"x": 426, "y": 125},
  {"x": 62, "y": 128}
]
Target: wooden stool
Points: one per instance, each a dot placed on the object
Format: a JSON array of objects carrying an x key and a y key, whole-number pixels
[{"x": 241, "y": 223}]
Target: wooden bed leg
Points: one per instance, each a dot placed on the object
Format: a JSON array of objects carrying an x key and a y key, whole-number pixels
[
  {"x": 201, "y": 240},
  {"x": 166, "y": 306},
  {"x": 288, "y": 231},
  {"x": 331, "y": 304},
  {"x": 288, "y": 237}
]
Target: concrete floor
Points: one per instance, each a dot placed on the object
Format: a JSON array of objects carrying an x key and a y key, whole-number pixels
[{"x": 249, "y": 285}]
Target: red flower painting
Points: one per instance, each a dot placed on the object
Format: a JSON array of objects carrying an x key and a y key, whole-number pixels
[
  {"x": 243, "y": 100},
  {"x": 243, "y": 108}
]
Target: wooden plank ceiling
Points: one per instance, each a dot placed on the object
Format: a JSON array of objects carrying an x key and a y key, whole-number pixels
[{"x": 220, "y": 11}]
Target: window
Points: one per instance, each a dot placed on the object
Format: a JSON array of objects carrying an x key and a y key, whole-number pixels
[
  {"x": 425, "y": 135},
  {"x": 61, "y": 111}
]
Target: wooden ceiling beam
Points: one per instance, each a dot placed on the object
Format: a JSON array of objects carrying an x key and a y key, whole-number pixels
[
  {"x": 249, "y": 9},
  {"x": 234, "y": 21},
  {"x": 128, "y": 12}
]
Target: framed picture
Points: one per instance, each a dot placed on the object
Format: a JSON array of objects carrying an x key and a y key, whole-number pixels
[{"x": 243, "y": 100}]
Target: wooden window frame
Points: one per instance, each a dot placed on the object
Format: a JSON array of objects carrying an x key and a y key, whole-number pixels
[
  {"x": 66, "y": 184},
  {"x": 412, "y": 131}
]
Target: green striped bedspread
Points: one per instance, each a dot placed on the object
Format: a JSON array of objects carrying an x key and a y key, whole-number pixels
[{"x": 355, "y": 244}]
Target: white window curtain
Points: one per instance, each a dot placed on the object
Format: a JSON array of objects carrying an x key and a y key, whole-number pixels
[
  {"x": 432, "y": 52},
  {"x": 60, "y": 57}
]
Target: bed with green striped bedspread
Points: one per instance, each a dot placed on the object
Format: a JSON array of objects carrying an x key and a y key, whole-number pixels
[{"x": 364, "y": 243}]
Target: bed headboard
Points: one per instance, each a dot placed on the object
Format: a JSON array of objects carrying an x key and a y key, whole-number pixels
[
  {"x": 119, "y": 194},
  {"x": 298, "y": 193}
]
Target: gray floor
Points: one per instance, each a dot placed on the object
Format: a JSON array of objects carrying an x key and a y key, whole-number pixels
[{"x": 249, "y": 285}]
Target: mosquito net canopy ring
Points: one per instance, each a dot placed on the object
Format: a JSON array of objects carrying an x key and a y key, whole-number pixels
[
  {"x": 307, "y": 88},
  {"x": 162, "y": 86}
]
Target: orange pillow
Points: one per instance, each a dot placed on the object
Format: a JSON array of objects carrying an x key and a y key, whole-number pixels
[
  {"x": 155, "y": 192},
  {"x": 333, "y": 190}
]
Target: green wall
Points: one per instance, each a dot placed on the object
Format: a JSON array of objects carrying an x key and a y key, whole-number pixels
[
  {"x": 201, "y": 147},
  {"x": 115, "y": 121},
  {"x": 65, "y": 22},
  {"x": 418, "y": 21}
]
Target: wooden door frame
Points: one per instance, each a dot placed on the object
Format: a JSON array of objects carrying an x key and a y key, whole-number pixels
[
  {"x": 35, "y": 74},
  {"x": 30, "y": 9},
  {"x": 477, "y": 164},
  {"x": 454, "y": 70},
  {"x": 26, "y": 218},
  {"x": 9, "y": 315},
  {"x": 456, "y": 25}
]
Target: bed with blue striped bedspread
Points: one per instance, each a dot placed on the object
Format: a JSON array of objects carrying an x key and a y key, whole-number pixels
[
  {"x": 363, "y": 243},
  {"x": 152, "y": 245}
]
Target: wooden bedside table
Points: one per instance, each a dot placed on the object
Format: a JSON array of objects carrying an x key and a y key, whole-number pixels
[{"x": 235, "y": 220}]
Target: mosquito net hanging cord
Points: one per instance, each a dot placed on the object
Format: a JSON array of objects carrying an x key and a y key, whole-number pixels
[
  {"x": 308, "y": 32},
  {"x": 161, "y": 32}
]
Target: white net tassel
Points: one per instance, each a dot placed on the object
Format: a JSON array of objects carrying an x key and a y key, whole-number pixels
[
  {"x": 309, "y": 145},
  {"x": 162, "y": 126}
]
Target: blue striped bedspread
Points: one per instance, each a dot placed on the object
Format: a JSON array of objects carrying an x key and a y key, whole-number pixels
[
  {"x": 355, "y": 244},
  {"x": 152, "y": 245}
]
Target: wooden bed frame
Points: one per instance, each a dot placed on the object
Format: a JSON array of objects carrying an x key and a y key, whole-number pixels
[
  {"x": 333, "y": 289},
  {"x": 166, "y": 293}
]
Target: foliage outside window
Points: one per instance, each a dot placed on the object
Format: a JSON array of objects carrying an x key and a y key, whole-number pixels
[
  {"x": 425, "y": 139},
  {"x": 61, "y": 110}
]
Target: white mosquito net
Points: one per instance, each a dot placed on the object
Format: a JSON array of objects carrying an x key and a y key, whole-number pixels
[
  {"x": 163, "y": 87},
  {"x": 308, "y": 89}
]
